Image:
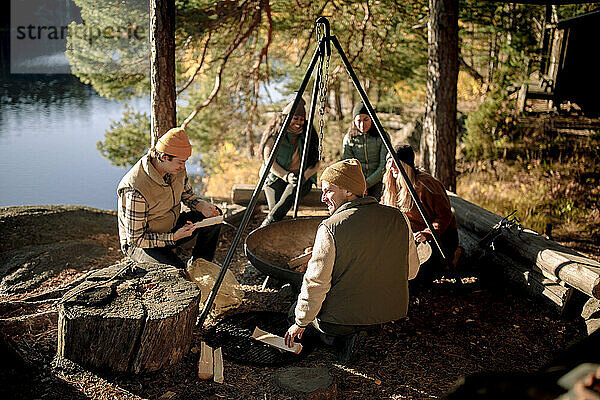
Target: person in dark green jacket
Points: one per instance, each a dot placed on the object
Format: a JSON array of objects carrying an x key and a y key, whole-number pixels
[
  {"x": 280, "y": 185},
  {"x": 362, "y": 141}
]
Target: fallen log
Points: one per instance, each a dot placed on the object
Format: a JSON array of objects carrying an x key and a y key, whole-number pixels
[
  {"x": 591, "y": 315},
  {"x": 128, "y": 321},
  {"x": 534, "y": 283},
  {"x": 546, "y": 255},
  {"x": 241, "y": 193}
]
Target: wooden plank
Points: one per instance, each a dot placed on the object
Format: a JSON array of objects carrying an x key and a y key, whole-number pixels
[
  {"x": 275, "y": 341},
  {"x": 205, "y": 363},
  {"x": 544, "y": 255},
  {"x": 168, "y": 396},
  {"x": 294, "y": 262},
  {"x": 241, "y": 193},
  {"x": 218, "y": 366}
]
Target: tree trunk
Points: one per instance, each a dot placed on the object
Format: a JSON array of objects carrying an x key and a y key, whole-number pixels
[
  {"x": 162, "y": 67},
  {"x": 137, "y": 322},
  {"x": 337, "y": 101},
  {"x": 438, "y": 143}
]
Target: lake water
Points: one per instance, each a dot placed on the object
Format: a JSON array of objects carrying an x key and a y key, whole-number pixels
[{"x": 49, "y": 127}]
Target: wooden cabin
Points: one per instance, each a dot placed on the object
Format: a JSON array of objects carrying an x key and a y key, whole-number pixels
[{"x": 569, "y": 68}]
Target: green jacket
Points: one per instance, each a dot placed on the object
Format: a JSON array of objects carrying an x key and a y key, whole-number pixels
[
  {"x": 284, "y": 157},
  {"x": 369, "y": 281},
  {"x": 371, "y": 153}
]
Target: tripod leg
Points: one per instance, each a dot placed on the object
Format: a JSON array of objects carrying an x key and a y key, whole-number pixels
[
  {"x": 309, "y": 126},
  {"x": 211, "y": 298},
  {"x": 387, "y": 142}
]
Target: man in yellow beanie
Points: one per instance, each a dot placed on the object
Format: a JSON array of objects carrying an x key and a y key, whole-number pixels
[
  {"x": 150, "y": 196},
  {"x": 360, "y": 266}
]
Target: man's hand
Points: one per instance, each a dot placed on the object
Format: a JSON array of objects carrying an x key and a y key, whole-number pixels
[
  {"x": 184, "y": 231},
  {"x": 207, "y": 209},
  {"x": 291, "y": 333}
]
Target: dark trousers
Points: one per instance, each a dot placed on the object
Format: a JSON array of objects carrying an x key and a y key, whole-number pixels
[
  {"x": 327, "y": 328},
  {"x": 280, "y": 197},
  {"x": 203, "y": 239},
  {"x": 432, "y": 268}
]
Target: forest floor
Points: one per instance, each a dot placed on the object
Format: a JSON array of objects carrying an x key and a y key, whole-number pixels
[{"x": 449, "y": 333}]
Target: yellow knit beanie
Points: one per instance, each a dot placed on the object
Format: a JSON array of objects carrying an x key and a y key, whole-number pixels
[
  {"x": 175, "y": 143},
  {"x": 346, "y": 174}
]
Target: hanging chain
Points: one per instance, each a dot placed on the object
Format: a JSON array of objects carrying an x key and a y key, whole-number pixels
[{"x": 324, "y": 77}]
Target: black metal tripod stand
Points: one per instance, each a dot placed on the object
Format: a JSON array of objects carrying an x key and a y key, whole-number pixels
[{"x": 323, "y": 50}]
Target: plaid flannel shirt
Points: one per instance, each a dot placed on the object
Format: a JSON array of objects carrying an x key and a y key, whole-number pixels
[{"x": 133, "y": 217}]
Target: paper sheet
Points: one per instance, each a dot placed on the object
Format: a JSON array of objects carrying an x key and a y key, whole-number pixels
[{"x": 209, "y": 221}]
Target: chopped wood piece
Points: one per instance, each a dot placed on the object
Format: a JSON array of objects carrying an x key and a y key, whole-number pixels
[
  {"x": 218, "y": 366},
  {"x": 168, "y": 396},
  {"x": 205, "y": 363},
  {"x": 296, "y": 261},
  {"x": 275, "y": 341}
]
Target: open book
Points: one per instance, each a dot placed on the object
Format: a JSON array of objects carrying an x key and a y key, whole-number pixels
[{"x": 209, "y": 221}]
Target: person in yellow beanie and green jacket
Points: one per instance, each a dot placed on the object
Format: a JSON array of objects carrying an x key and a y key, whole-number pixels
[
  {"x": 352, "y": 282},
  {"x": 151, "y": 224}
]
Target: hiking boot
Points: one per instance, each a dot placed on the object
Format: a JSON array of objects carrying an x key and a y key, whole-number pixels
[{"x": 346, "y": 346}]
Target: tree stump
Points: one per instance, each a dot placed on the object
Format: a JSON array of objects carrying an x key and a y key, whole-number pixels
[
  {"x": 128, "y": 321},
  {"x": 307, "y": 383}
]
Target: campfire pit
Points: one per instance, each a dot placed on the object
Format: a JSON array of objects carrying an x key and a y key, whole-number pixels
[{"x": 271, "y": 247}]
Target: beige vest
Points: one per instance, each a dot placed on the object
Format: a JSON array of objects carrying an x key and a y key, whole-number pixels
[
  {"x": 164, "y": 200},
  {"x": 369, "y": 283}
]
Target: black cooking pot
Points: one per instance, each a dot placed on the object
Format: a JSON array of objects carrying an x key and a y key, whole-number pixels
[{"x": 271, "y": 247}]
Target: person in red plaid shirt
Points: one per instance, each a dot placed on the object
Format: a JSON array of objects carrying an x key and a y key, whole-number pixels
[{"x": 151, "y": 224}]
